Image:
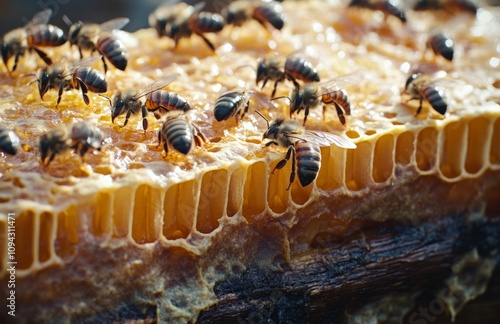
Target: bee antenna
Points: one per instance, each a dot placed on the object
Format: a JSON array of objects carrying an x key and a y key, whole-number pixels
[
  {"x": 67, "y": 21},
  {"x": 106, "y": 97},
  {"x": 260, "y": 114},
  {"x": 30, "y": 75},
  {"x": 282, "y": 97}
]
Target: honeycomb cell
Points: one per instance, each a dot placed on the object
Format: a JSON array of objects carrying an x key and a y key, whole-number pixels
[
  {"x": 479, "y": 131},
  {"x": 425, "y": 154},
  {"x": 180, "y": 209},
  {"x": 277, "y": 195},
  {"x": 235, "y": 191},
  {"x": 495, "y": 143},
  {"x": 26, "y": 235},
  {"x": 122, "y": 211},
  {"x": 46, "y": 236},
  {"x": 101, "y": 224},
  {"x": 146, "y": 222},
  {"x": 405, "y": 147},
  {"x": 331, "y": 173},
  {"x": 254, "y": 199},
  {"x": 383, "y": 159},
  {"x": 453, "y": 149},
  {"x": 359, "y": 167},
  {"x": 212, "y": 203}
]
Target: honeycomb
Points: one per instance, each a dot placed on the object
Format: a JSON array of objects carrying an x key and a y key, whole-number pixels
[{"x": 128, "y": 208}]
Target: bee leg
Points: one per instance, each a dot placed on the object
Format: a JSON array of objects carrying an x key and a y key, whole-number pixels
[
  {"x": 245, "y": 110},
  {"x": 165, "y": 148},
  {"x": 340, "y": 112},
  {"x": 59, "y": 93},
  {"x": 84, "y": 91},
  {"x": 127, "y": 117},
  {"x": 42, "y": 55},
  {"x": 264, "y": 83},
  {"x": 419, "y": 106},
  {"x": 275, "y": 86},
  {"x": 283, "y": 162},
  {"x": 104, "y": 63},
  {"x": 306, "y": 113},
  {"x": 16, "y": 59},
  {"x": 144, "y": 119},
  {"x": 80, "y": 51},
  {"x": 207, "y": 41},
  {"x": 271, "y": 143},
  {"x": 199, "y": 136}
]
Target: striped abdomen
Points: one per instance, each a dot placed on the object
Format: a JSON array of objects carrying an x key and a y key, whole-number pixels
[
  {"x": 340, "y": 97},
  {"x": 301, "y": 69},
  {"x": 206, "y": 22},
  {"x": 435, "y": 97},
  {"x": 269, "y": 13},
  {"x": 114, "y": 50},
  {"x": 46, "y": 35},
  {"x": 178, "y": 134},
  {"x": 234, "y": 103},
  {"x": 441, "y": 44},
  {"x": 92, "y": 78},
  {"x": 160, "y": 102},
  {"x": 308, "y": 157}
]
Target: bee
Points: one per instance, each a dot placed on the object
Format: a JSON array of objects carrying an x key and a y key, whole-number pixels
[
  {"x": 388, "y": 7},
  {"x": 65, "y": 76},
  {"x": 232, "y": 103},
  {"x": 448, "y": 5},
  {"x": 9, "y": 141},
  {"x": 441, "y": 44},
  {"x": 303, "y": 147},
  {"x": 36, "y": 33},
  {"x": 191, "y": 20},
  {"x": 421, "y": 86},
  {"x": 178, "y": 133},
  {"x": 166, "y": 14},
  {"x": 329, "y": 92},
  {"x": 265, "y": 12},
  {"x": 100, "y": 38},
  {"x": 81, "y": 137},
  {"x": 160, "y": 102},
  {"x": 129, "y": 101},
  {"x": 295, "y": 68}
]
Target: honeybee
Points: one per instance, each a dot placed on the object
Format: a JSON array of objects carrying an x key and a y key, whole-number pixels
[
  {"x": 178, "y": 133},
  {"x": 448, "y": 5},
  {"x": 65, "y": 76},
  {"x": 81, "y": 137},
  {"x": 295, "y": 68},
  {"x": 303, "y": 147},
  {"x": 265, "y": 12},
  {"x": 422, "y": 86},
  {"x": 130, "y": 102},
  {"x": 232, "y": 103},
  {"x": 329, "y": 92},
  {"x": 160, "y": 102},
  {"x": 191, "y": 20},
  {"x": 9, "y": 141},
  {"x": 388, "y": 7},
  {"x": 36, "y": 33},
  {"x": 441, "y": 44},
  {"x": 166, "y": 14},
  {"x": 100, "y": 38}
]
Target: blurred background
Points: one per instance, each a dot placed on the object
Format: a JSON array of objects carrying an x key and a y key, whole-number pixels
[{"x": 16, "y": 13}]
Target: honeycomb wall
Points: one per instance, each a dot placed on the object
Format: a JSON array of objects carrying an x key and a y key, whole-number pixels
[{"x": 454, "y": 150}]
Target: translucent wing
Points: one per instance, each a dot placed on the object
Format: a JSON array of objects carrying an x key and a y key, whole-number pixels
[
  {"x": 40, "y": 18},
  {"x": 157, "y": 85},
  {"x": 117, "y": 23},
  {"x": 340, "y": 82},
  {"x": 325, "y": 139},
  {"x": 88, "y": 61}
]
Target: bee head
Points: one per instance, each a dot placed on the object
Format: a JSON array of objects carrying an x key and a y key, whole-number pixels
[
  {"x": 274, "y": 129},
  {"x": 74, "y": 31},
  {"x": 261, "y": 70},
  {"x": 412, "y": 78},
  {"x": 43, "y": 79},
  {"x": 296, "y": 100},
  {"x": 117, "y": 108}
]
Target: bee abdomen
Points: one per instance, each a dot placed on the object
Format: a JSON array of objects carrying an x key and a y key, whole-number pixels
[
  {"x": 340, "y": 97},
  {"x": 178, "y": 134},
  {"x": 170, "y": 100},
  {"x": 300, "y": 69},
  {"x": 441, "y": 44},
  {"x": 46, "y": 35},
  {"x": 94, "y": 80},
  {"x": 206, "y": 22},
  {"x": 114, "y": 50},
  {"x": 9, "y": 142},
  {"x": 435, "y": 97},
  {"x": 308, "y": 158},
  {"x": 229, "y": 104},
  {"x": 270, "y": 13}
]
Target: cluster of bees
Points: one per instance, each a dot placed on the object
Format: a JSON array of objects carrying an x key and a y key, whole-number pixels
[{"x": 178, "y": 21}]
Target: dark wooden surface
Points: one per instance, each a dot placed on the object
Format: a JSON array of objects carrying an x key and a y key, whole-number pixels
[{"x": 334, "y": 278}]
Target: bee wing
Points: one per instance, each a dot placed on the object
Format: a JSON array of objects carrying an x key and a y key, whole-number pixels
[
  {"x": 88, "y": 61},
  {"x": 117, "y": 23},
  {"x": 198, "y": 7},
  {"x": 40, "y": 18},
  {"x": 157, "y": 85},
  {"x": 326, "y": 139},
  {"x": 340, "y": 82}
]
